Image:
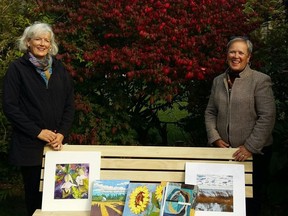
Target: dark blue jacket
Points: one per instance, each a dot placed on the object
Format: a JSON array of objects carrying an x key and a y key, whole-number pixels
[{"x": 31, "y": 106}]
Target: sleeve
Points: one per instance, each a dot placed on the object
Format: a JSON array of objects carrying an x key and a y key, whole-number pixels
[
  {"x": 211, "y": 118},
  {"x": 11, "y": 108},
  {"x": 266, "y": 112},
  {"x": 69, "y": 108}
]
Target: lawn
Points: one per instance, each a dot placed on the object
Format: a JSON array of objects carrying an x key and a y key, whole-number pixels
[{"x": 171, "y": 117}]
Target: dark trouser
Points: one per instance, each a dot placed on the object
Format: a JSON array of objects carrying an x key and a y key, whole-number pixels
[
  {"x": 31, "y": 179},
  {"x": 261, "y": 174}
]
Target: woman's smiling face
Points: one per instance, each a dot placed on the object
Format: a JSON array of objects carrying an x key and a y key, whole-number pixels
[
  {"x": 40, "y": 44},
  {"x": 238, "y": 56}
]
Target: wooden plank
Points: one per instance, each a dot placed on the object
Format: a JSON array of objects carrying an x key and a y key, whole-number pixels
[
  {"x": 248, "y": 179},
  {"x": 153, "y": 176},
  {"x": 149, "y": 176},
  {"x": 158, "y": 164},
  {"x": 155, "y": 151},
  {"x": 38, "y": 212},
  {"x": 144, "y": 176},
  {"x": 249, "y": 192},
  {"x": 150, "y": 165}
]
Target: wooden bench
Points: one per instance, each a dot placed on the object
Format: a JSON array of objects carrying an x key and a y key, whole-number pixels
[{"x": 152, "y": 164}]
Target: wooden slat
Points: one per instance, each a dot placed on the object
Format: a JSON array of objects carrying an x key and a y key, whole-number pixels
[
  {"x": 249, "y": 192},
  {"x": 152, "y": 176},
  {"x": 154, "y": 164},
  {"x": 149, "y": 176},
  {"x": 38, "y": 212},
  {"x": 248, "y": 179},
  {"x": 158, "y": 164},
  {"x": 155, "y": 151}
]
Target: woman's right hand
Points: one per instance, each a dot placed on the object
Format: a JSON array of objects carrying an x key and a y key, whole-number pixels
[
  {"x": 47, "y": 135},
  {"x": 56, "y": 144},
  {"x": 221, "y": 143}
]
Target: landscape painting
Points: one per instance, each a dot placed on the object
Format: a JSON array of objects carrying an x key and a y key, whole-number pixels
[
  {"x": 221, "y": 188},
  {"x": 108, "y": 197},
  {"x": 215, "y": 193}
]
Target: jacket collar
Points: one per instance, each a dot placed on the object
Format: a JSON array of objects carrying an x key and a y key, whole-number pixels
[{"x": 246, "y": 72}]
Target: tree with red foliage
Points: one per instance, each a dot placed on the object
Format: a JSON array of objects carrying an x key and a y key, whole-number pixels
[{"x": 132, "y": 58}]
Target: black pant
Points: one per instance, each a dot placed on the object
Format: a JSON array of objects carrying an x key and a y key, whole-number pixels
[
  {"x": 31, "y": 179},
  {"x": 261, "y": 175}
]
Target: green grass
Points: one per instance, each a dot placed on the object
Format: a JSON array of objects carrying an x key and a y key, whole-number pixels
[{"x": 171, "y": 116}]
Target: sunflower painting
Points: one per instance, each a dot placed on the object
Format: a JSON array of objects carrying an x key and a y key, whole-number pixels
[{"x": 143, "y": 199}]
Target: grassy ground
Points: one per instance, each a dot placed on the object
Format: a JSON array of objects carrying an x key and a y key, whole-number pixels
[{"x": 175, "y": 134}]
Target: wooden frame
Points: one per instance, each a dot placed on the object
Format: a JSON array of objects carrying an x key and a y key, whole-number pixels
[{"x": 154, "y": 164}]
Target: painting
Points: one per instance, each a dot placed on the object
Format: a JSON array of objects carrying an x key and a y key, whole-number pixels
[
  {"x": 179, "y": 199},
  {"x": 221, "y": 188},
  {"x": 143, "y": 199},
  {"x": 108, "y": 197},
  {"x": 68, "y": 178}
]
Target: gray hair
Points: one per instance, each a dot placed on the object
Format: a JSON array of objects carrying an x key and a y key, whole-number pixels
[
  {"x": 34, "y": 30},
  {"x": 244, "y": 39}
]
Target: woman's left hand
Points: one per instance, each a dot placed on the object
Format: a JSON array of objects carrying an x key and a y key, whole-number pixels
[{"x": 242, "y": 154}]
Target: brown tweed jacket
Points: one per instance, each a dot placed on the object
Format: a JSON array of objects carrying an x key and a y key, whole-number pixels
[{"x": 246, "y": 115}]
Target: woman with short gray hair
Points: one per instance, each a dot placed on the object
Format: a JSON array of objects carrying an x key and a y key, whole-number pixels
[{"x": 241, "y": 113}]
